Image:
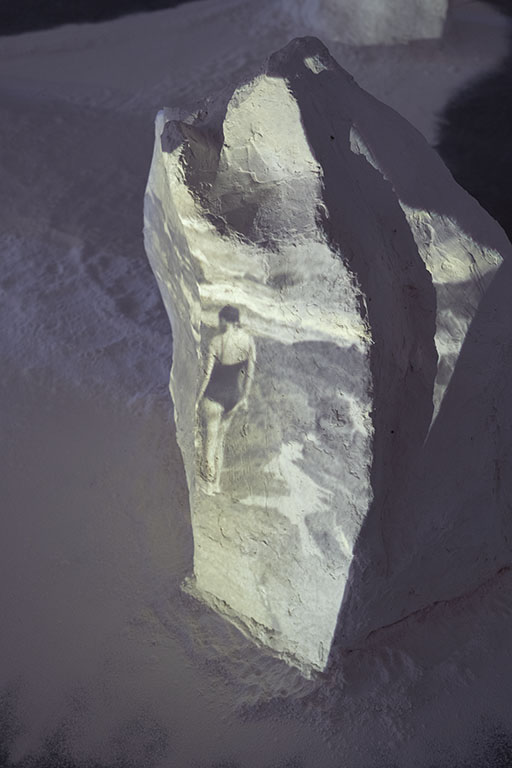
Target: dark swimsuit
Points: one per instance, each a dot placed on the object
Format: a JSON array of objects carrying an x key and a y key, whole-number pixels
[{"x": 224, "y": 384}]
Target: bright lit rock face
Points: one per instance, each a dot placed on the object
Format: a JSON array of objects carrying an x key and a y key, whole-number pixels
[
  {"x": 373, "y": 22},
  {"x": 320, "y": 269}
]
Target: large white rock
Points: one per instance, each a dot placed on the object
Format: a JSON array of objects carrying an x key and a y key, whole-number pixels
[
  {"x": 371, "y": 22},
  {"x": 321, "y": 269}
]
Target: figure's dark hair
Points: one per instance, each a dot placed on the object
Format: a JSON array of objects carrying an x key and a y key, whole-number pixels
[{"x": 229, "y": 314}]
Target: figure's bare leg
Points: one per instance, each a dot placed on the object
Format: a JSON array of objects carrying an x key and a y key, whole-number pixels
[
  {"x": 211, "y": 423},
  {"x": 221, "y": 436}
]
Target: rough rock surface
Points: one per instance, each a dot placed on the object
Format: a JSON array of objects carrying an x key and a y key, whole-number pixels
[
  {"x": 321, "y": 270},
  {"x": 373, "y": 22}
]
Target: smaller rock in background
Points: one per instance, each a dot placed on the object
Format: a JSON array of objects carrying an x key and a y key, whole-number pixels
[{"x": 372, "y": 22}]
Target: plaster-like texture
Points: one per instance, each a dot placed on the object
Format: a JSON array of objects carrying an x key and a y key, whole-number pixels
[
  {"x": 373, "y": 22},
  {"x": 320, "y": 269}
]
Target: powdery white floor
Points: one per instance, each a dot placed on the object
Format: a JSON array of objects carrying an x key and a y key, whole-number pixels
[{"x": 101, "y": 654}]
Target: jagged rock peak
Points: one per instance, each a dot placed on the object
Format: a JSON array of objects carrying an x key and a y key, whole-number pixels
[{"x": 321, "y": 270}]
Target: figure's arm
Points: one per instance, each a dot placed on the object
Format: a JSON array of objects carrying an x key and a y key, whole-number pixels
[
  {"x": 210, "y": 362},
  {"x": 249, "y": 375}
]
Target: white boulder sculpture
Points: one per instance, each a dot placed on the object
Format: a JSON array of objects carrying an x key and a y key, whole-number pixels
[
  {"x": 371, "y": 22},
  {"x": 321, "y": 270}
]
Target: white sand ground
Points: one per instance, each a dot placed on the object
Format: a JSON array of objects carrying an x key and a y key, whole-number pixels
[{"x": 98, "y": 643}]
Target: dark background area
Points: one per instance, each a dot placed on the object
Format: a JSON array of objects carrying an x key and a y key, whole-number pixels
[
  {"x": 18, "y": 16},
  {"x": 475, "y": 136}
]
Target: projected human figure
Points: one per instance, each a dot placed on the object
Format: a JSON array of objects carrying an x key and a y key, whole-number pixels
[{"x": 228, "y": 377}]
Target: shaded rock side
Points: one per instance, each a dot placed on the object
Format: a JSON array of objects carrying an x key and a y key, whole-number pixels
[{"x": 321, "y": 270}]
